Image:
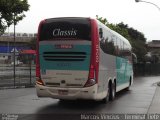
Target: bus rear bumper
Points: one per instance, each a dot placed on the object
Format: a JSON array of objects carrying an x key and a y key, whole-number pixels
[{"x": 69, "y": 93}]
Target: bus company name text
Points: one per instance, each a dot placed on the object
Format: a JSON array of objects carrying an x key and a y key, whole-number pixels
[{"x": 59, "y": 32}]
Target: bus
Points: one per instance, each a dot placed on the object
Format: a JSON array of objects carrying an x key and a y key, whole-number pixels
[{"x": 81, "y": 58}]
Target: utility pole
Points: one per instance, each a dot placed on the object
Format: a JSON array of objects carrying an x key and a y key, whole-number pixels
[{"x": 14, "y": 66}]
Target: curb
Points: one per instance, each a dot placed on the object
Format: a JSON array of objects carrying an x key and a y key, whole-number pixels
[{"x": 155, "y": 104}]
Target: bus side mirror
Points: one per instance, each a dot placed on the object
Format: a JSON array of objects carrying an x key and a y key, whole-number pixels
[
  {"x": 100, "y": 33},
  {"x": 134, "y": 58}
]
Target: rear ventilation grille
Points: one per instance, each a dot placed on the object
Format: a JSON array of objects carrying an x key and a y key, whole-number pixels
[{"x": 64, "y": 56}]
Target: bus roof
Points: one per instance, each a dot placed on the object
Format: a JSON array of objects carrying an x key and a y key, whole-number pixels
[{"x": 65, "y": 18}]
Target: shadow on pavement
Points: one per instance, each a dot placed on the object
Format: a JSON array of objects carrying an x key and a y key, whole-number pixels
[{"x": 74, "y": 109}]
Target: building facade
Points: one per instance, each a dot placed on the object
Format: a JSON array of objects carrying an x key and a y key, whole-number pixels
[
  {"x": 7, "y": 45},
  {"x": 153, "y": 48}
]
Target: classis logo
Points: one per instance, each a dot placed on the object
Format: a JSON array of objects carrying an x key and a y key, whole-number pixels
[{"x": 63, "y": 33}]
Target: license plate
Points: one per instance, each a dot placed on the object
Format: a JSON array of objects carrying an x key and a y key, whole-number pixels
[{"x": 63, "y": 92}]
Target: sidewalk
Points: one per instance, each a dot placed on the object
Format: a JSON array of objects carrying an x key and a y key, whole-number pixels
[{"x": 155, "y": 105}]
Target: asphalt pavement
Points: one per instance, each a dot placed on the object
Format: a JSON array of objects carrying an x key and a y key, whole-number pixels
[{"x": 142, "y": 98}]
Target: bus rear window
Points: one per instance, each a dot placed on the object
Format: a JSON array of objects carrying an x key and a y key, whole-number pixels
[{"x": 66, "y": 29}]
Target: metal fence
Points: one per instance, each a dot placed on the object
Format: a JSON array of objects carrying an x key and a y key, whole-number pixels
[
  {"x": 17, "y": 71},
  {"x": 146, "y": 69},
  {"x": 24, "y": 75}
]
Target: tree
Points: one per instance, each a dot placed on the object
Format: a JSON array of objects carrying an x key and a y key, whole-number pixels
[
  {"x": 135, "y": 37},
  {"x": 102, "y": 20},
  {"x": 120, "y": 30},
  {"x": 12, "y": 11}
]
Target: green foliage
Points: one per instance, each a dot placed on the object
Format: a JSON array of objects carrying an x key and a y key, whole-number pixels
[
  {"x": 120, "y": 30},
  {"x": 135, "y": 37},
  {"x": 2, "y": 27},
  {"x": 12, "y": 11},
  {"x": 101, "y": 19}
]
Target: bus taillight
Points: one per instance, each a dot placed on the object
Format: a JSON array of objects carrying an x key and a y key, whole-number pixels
[
  {"x": 39, "y": 81},
  {"x": 38, "y": 76},
  {"x": 91, "y": 79}
]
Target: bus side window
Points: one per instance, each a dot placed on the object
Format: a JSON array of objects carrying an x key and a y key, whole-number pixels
[
  {"x": 121, "y": 54},
  {"x": 107, "y": 45},
  {"x": 119, "y": 47},
  {"x": 114, "y": 43},
  {"x": 100, "y": 33},
  {"x": 125, "y": 52}
]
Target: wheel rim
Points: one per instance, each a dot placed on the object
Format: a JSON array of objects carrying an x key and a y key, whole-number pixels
[
  {"x": 108, "y": 94},
  {"x": 113, "y": 90}
]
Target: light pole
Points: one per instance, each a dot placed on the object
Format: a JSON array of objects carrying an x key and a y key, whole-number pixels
[
  {"x": 158, "y": 9},
  {"x": 14, "y": 46},
  {"x": 149, "y": 3},
  {"x": 14, "y": 55}
]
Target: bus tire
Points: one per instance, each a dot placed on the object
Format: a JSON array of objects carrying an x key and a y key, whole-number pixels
[
  {"x": 128, "y": 88},
  {"x": 112, "y": 91},
  {"x": 106, "y": 99}
]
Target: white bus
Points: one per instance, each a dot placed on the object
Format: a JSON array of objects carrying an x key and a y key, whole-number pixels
[{"x": 80, "y": 58}]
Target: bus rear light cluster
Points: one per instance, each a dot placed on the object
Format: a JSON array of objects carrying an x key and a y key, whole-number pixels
[
  {"x": 90, "y": 82},
  {"x": 39, "y": 81},
  {"x": 38, "y": 76},
  {"x": 91, "y": 79}
]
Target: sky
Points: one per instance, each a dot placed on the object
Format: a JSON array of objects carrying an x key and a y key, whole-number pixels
[{"x": 141, "y": 16}]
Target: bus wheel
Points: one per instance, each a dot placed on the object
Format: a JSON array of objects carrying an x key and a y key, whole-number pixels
[
  {"x": 113, "y": 91},
  {"x": 106, "y": 99},
  {"x": 128, "y": 88}
]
